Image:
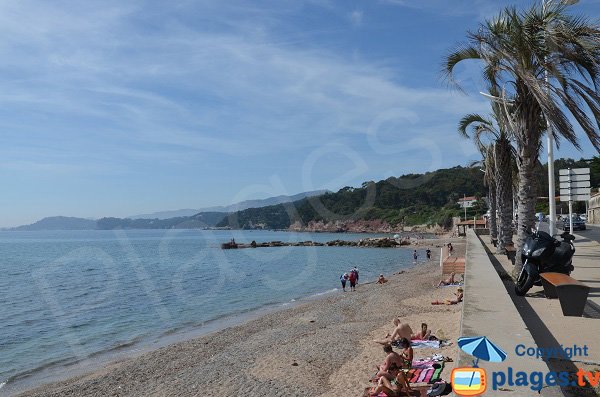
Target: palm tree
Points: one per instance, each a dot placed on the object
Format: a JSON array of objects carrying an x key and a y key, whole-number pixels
[
  {"x": 498, "y": 157},
  {"x": 518, "y": 49}
]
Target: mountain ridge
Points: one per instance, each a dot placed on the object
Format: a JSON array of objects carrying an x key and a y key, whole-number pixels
[{"x": 242, "y": 205}]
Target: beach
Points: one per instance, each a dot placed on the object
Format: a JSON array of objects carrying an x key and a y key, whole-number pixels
[{"x": 321, "y": 347}]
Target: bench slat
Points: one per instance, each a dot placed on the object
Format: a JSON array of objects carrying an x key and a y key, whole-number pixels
[
  {"x": 559, "y": 279},
  {"x": 572, "y": 294}
]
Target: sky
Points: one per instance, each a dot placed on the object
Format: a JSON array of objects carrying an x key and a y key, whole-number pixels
[{"x": 116, "y": 108}]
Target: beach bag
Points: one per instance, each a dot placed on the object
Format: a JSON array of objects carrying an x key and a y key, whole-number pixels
[{"x": 440, "y": 389}]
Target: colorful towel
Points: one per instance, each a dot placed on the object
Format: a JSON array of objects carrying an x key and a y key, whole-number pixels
[
  {"x": 425, "y": 343},
  {"x": 423, "y": 363},
  {"x": 425, "y": 375}
]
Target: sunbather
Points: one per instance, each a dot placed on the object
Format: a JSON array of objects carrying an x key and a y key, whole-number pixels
[
  {"x": 458, "y": 299},
  {"x": 407, "y": 352},
  {"x": 401, "y": 330},
  {"x": 447, "y": 281},
  {"x": 381, "y": 280},
  {"x": 424, "y": 334},
  {"x": 392, "y": 387},
  {"x": 391, "y": 365}
]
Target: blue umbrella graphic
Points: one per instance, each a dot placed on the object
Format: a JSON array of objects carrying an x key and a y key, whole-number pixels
[{"x": 482, "y": 348}]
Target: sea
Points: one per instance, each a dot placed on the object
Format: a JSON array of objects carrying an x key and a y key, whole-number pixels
[{"x": 72, "y": 301}]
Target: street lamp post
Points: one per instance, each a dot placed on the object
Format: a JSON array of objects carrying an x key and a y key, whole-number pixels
[{"x": 550, "y": 144}]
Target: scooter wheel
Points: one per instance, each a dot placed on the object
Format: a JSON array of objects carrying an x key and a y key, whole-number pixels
[{"x": 524, "y": 283}]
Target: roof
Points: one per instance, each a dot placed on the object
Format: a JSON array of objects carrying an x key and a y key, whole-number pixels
[
  {"x": 470, "y": 222},
  {"x": 469, "y": 198}
]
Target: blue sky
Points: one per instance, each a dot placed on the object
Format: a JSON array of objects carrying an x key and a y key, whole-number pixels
[{"x": 114, "y": 108}]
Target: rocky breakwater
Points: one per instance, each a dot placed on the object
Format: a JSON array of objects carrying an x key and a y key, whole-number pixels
[{"x": 383, "y": 242}]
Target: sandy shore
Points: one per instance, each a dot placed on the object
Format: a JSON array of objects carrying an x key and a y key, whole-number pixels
[{"x": 319, "y": 348}]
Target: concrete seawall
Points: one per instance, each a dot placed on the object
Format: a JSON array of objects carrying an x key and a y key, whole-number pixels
[{"x": 489, "y": 311}]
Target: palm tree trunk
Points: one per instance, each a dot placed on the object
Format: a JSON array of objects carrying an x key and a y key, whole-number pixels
[
  {"x": 526, "y": 158},
  {"x": 504, "y": 193},
  {"x": 493, "y": 209}
]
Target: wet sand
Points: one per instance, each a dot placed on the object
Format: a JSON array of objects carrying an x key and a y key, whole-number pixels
[{"x": 320, "y": 348}]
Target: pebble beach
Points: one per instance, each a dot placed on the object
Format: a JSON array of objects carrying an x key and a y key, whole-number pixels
[{"x": 321, "y": 347}]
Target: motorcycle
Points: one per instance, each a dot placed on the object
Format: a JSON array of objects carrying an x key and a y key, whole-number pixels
[{"x": 543, "y": 253}]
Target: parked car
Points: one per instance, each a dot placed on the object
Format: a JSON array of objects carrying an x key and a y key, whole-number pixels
[
  {"x": 583, "y": 217},
  {"x": 578, "y": 223}
]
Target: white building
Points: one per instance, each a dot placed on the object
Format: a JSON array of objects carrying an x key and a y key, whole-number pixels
[{"x": 467, "y": 202}]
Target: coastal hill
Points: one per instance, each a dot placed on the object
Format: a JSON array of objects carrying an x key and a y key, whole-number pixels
[
  {"x": 412, "y": 199},
  {"x": 193, "y": 219},
  {"x": 197, "y": 221},
  {"x": 230, "y": 208},
  {"x": 60, "y": 223}
]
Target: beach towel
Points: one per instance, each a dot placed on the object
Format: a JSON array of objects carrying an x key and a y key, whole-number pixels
[
  {"x": 425, "y": 375},
  {"x": 423, "y": 363},
  {"x": 451, "y": 285},
  {"x": 425, "y": 343}
]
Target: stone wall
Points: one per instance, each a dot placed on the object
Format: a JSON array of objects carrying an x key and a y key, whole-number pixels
[{"x": 594, "y": 209}]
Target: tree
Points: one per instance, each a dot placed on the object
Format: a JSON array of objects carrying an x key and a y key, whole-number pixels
[
  {"x": 492, "y": 139},
  {"x": 518, "y": 49}
]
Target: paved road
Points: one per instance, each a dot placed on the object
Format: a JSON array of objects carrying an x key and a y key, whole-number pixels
[{"x": 592, "y": 232}]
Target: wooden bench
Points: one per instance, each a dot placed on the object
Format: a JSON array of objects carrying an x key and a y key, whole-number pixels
[{"x": 571, "y": 294}]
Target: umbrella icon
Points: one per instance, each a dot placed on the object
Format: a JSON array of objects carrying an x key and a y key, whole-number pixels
[{"x": 482, "y": 348}]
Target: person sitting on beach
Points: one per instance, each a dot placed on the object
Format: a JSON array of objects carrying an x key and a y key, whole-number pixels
[
  {"x": 447, "y": 281},
  {"x": 458, "y": 299},
  {"x": 407, "y": 352},
  {"x": 401, "y": 330},
  {"x": 392, "y": 364},
  {"x": 392, "y": 387},
  {"x": 381, "y": 280},
  {"x": 424, "y": 334}
]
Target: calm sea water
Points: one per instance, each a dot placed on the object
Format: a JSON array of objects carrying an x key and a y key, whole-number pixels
[{"x": 67, "y": 297}]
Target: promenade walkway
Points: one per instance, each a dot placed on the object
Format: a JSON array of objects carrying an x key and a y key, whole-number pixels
[{"x": 543, "y": 317}]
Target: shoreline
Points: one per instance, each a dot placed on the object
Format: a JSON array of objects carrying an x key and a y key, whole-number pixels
[
  {"x": 73, "y": 367},
  {"x": 210, "y": 342}
]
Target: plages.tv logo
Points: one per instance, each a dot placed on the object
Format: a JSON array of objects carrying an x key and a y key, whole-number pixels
[{"x": 472, "y": 381}]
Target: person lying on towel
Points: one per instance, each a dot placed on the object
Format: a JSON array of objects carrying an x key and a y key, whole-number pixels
[{"x": 459, "y": 298}]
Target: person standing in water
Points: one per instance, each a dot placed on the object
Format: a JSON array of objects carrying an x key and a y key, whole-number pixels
[
  {"x": 352, "y": 279},
  {"x": 343, "y": 279},
  {"x": 415, "y": 256},
  {"x": 428, "y": 253}
]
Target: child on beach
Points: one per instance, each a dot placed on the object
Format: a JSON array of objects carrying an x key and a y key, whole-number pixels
[{"x": 381, "y": 280}]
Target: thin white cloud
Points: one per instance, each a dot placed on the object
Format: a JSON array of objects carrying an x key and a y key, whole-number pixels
[
  {"x": 89, "y": 81},
  {"x": 356, "y": 18}
]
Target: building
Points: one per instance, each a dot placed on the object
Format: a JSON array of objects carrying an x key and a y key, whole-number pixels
[
  {"x": 470, "y": 224},
  {"x": 467, "y": 202},
  {"x": 594, "y": 209}
]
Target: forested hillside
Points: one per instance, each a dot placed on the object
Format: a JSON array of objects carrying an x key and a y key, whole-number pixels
[{"x": 408, "y": 200}]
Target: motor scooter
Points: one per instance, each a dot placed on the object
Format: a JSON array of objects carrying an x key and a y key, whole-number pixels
[{"x": 543, "y": 253}]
